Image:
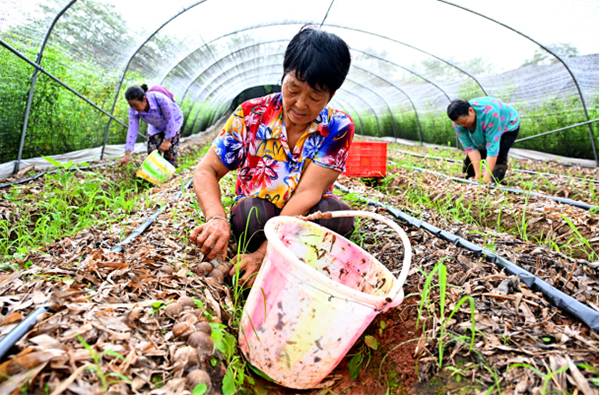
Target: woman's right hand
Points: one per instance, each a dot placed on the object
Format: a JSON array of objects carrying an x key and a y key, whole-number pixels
[
  {"x": 212, "y": 238},
  {"x": 125, "y": 160}
]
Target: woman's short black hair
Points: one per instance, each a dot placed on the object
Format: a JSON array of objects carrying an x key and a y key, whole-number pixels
[
  {"x": 136, "y": 92},
  {"x": 319, "y": 58},
  {"x": 458, "y": 108}
]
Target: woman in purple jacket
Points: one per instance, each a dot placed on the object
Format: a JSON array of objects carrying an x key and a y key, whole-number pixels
[{"x": 156, "y": 107}]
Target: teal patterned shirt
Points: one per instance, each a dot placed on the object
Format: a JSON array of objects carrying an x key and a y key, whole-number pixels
[{"x": 494, "y": 118}]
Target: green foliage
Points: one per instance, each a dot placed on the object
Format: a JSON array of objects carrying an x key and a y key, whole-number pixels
[
  {"x": 59, "y": 121},
  {"x": 68, "y": 204},
  {"x": 200, "y": 389},
  {"x": 553, "y": 114}
]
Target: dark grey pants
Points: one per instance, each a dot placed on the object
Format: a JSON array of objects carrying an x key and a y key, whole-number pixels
[
  {"x": 249, "y": 216},
  {"x": 506, "y": 141}
]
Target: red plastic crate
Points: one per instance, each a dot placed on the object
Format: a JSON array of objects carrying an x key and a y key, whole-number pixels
[{"x": 366, "y": 159}]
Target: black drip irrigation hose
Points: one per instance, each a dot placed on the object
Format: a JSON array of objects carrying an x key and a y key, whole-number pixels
[
  {"x": 507, "y": 189},
  {"x": 564, "y": 302},
  {"x": 140, "y": 229},
  {"x": 536, "y": 160},
  {"x": 515, "y": 170},
  {"x": 9, "y": 341},
  {"x": 52, "y": 172}
]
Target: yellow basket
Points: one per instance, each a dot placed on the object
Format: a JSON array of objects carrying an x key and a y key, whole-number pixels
[{"x": 156, "y": 169}]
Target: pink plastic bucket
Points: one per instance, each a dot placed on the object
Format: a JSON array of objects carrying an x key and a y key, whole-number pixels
[{"x": 314, "y": 295}]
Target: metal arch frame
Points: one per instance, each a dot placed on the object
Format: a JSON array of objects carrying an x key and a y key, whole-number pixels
[
  {"x": 274, "y": 41},
  {"x": 345, "y": 28},
  {"x": 222, "y": 97},
  {"x": 224, "y": 101},
  {"x": 587, "y": 116},
  {"x": 411, "y": 102},
  {"x": 356, "y": 50},
  {"x": 378, "y": 95},
  {"x": 385, "y": 101},
  {"x": 370, "y": 33},
  {"x": 372, "y": 109},
  {"x": 38, "y": 61},
  {"x": 338, "y": 99},
  {"x": 221, "y": 59},
  {"x": 190, "y": 84},
  {"x": 129, "y": 63},
  {"x": 360, "y": 51}
]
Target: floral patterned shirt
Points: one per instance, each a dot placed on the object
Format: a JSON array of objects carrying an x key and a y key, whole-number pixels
[
  {"x": 494, "y": 118},
  {"x": 254, "y": 141}
]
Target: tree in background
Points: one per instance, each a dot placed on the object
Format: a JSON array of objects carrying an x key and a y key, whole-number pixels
[{"x": 542, "y": 57}]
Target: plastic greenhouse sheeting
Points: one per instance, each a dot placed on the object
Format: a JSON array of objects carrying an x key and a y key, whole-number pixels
[{"x": 409, "y": 58}]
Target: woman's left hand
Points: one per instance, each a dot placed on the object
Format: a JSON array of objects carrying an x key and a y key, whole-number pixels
[
  {"x": 250, "y": 263},
  {"x": 164, "y": 147},
  {"x": 487, "y": 178}
]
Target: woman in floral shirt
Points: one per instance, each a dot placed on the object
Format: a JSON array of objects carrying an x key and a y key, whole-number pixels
[{"x": 288, "y": 149}]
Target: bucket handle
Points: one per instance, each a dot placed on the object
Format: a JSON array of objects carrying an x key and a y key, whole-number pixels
[{"x": 396, "y": 294}]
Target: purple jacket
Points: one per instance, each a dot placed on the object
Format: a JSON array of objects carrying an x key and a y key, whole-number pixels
[{"x": 163, "y": 116}]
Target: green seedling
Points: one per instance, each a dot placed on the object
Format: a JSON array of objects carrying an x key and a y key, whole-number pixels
[
  {"x": 97, "y": 368},
  {"x": 440, "y": 270},
  {"x": 591, "y": 255}
]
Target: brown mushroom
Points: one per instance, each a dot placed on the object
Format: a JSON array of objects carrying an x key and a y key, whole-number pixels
[
  {"x": 217, "y": 275},
  {"x": 186, "y": 301},
  {"x": 203, "y": 326},
  {"x": 173, "y": 310},
  {"x": 197, "y": 377},
  {"x": 202, "y": 342},
  {"x": 190, "y": 317},
  {"x": 183, "y": 329},
  {"x": 207, "y": 267},
  {"x": 181, "y": 357}
]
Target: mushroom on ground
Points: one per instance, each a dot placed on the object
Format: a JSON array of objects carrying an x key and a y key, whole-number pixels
[
  {"x": 207, "y": 267},
  {"x": 186, "y": 301},
  {"x": 217, "y": 275},
  {"x": 173, "y": 310},
  {"x": 197, "y": 377},
  {"x": 183, "y": 329},
  {"x": 202, "y": 342},
  {"x": 203, "y": 326}
]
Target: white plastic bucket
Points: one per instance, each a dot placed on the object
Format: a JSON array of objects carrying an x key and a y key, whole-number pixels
[
  {"x": 315, "y": 294},
  {"x": 156, "y": 169}
]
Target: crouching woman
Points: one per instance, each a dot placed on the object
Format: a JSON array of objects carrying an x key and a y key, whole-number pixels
[{"x": 288, "y": 149}]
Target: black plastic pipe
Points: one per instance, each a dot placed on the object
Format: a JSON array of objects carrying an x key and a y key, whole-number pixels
[
  {"x": 9, "y": 341},
  {"x": 140, "y": 229},
  {"x": 507, "y": 189},
  {"x": 52, "y": 172},
  {"x": 515, "y": 170},
  {"x": 564, "y": 302}
]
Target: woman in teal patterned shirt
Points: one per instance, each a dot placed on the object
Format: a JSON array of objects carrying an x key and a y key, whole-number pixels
[{"x": 487, "y": 128}]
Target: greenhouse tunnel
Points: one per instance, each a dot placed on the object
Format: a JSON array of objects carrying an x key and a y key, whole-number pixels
[{"x": 409, "y": 59}]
